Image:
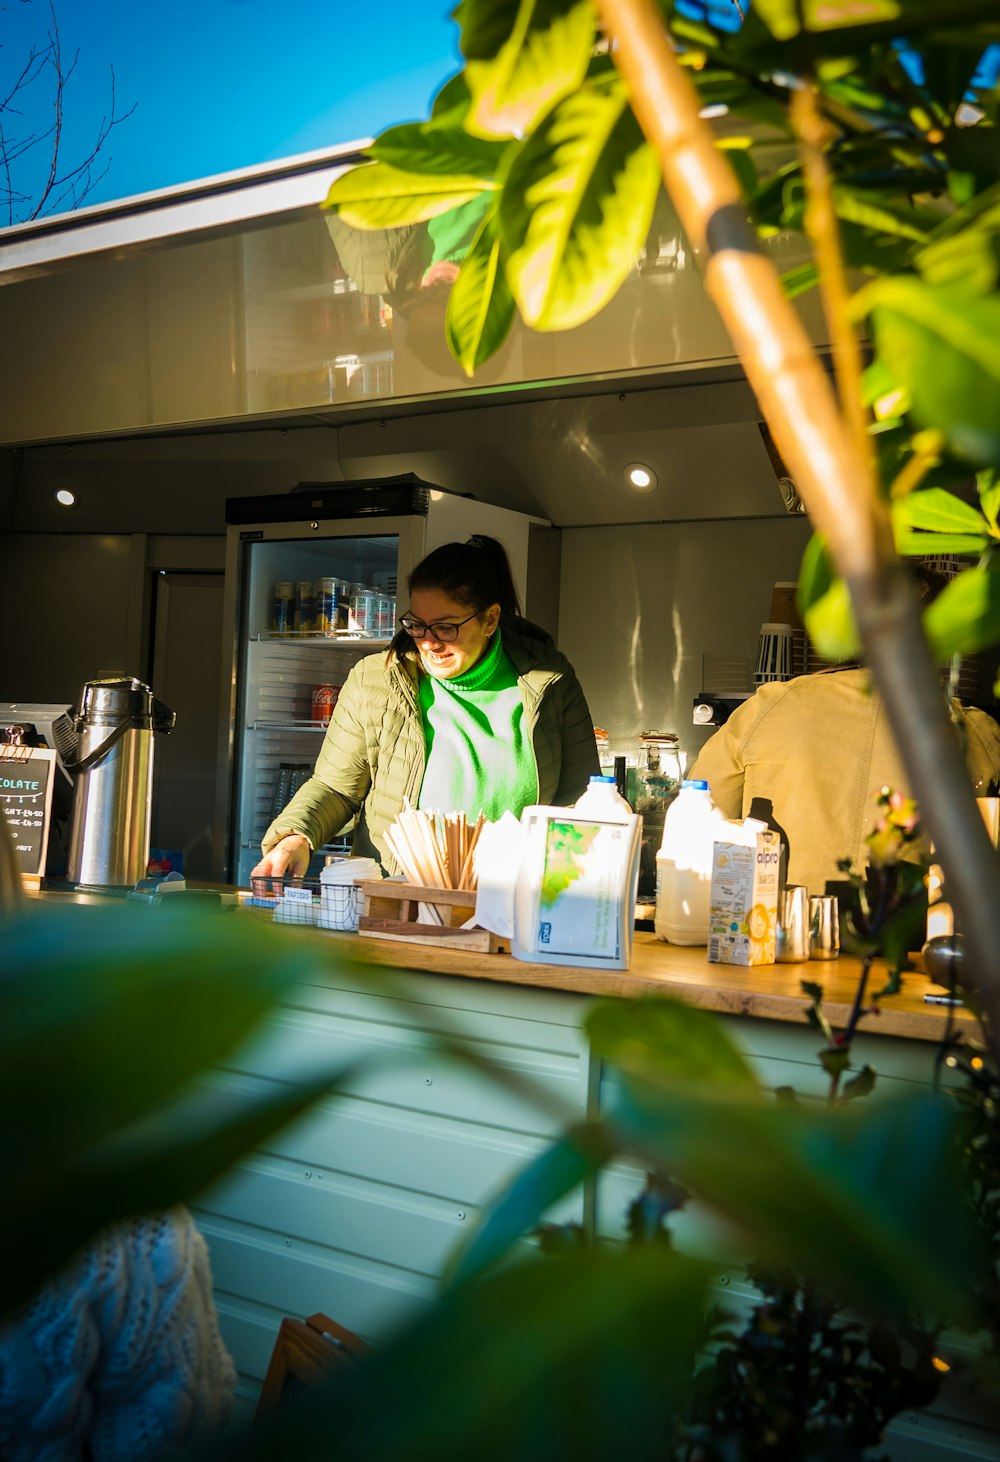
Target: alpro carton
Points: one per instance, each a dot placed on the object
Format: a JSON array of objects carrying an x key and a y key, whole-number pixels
[{"x": 743, "y": 904}]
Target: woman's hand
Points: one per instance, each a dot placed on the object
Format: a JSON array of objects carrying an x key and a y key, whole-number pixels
[{"x": 288, "y": 858}]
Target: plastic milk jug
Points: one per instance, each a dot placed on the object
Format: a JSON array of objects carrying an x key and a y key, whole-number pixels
[
  {"x": 602, "y": 799},
  {"x": 684, "y": 865}
]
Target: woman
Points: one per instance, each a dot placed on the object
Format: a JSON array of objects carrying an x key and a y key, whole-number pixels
[{"x": 472, "y": 708}]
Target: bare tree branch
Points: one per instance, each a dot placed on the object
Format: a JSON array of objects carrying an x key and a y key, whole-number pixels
[{"x": 41, "y": 85}]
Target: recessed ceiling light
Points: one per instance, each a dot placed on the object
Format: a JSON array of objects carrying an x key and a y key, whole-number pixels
[
  {"x": 641, "y": 477},
  {"x": 64, "y": 497}
]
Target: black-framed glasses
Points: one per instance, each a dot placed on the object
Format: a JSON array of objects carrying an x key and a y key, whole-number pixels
[{"x": 444, "y": 630}]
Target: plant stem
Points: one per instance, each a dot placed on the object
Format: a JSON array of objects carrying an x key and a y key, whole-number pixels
[
  {"x": 833, "y": 475},
  {"x": 812, "y": 130}
]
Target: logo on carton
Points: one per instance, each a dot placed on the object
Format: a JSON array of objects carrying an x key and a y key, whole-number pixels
[{"x": 743, "y": 901}]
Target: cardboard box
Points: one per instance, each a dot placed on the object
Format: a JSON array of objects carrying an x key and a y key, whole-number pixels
[{"x": 743, "y": 907}]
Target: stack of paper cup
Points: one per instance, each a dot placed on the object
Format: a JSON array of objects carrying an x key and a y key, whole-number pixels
[{"x": 340, "y": 898}]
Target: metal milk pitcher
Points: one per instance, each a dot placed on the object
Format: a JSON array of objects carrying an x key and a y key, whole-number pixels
[{"x": 113, "y": 771}]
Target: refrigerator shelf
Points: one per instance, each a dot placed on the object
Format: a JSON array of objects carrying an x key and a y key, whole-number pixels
[
  {"x": 314, "y": 637},
  {"x": 285, "y": 726}
]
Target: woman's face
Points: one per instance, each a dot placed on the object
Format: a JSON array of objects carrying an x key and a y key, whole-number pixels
[{"x": 444, "y": 659}]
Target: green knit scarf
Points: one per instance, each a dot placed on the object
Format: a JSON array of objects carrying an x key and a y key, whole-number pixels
[{"x": 478, "y": 756}]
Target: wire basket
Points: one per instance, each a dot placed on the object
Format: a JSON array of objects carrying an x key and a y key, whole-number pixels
[{"x": 306, "y": 902}]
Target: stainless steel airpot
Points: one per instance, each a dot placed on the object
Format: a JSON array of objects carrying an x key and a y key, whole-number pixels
[{"x": 113, "y": 774}]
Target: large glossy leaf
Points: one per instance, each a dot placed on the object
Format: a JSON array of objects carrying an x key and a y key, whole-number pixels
[
  {"x": 841, "y": 29},
  {"x": 867, "y": 1203},
  {"x": 379, "y": 195},
  {"x": 145, "y": 1169},
  {"x": 480, "y": 305},
  {"x": 917, "y": 545},
  {"x": 107, "y": 1016},
  {"x": 521, "y": 57},
  {"x": 988, "y": 483},
  {"x": 576, "y": 207},
  {"x": 966, "y": 257},
  {"x": 120, "y": 1007},
  {"x": 587, "y": 1356},
  {"x": 945, "y": 349},
  {"x": 938, "y": 511},
  {"x": 663, "y": 1038},
  {"x": 853, "y": 1200},
  {"x": 825, "y": 605},
  {"x": 428, "y": 148},
  {"x": 880, "y": 214},
  {"x": 965, "y": 616}
]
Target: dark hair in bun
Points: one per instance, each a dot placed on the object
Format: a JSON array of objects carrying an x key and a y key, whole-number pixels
[{"x": 476, "y": 573}]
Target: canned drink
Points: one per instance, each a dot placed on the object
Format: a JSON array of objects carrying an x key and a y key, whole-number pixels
[
  {"x": 324, "y": 698},
  {"x": 363, "y": 611},
  {"x": 328, "y": 594},
  {"x": 385, "y": 612},
  {"x": 302, "y": 621},
  {"x": 283, "y": 608}
]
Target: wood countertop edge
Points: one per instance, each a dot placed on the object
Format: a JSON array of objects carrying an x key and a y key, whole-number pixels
[
  {"x": 766, "y": 992},
  {"x": 723, "y": 989}
]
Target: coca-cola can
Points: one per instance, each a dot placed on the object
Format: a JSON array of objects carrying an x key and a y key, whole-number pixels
[{"x": 324, "y": 698}]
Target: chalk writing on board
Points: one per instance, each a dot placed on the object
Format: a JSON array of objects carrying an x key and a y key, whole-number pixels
[{"x": 26, "y": 802}]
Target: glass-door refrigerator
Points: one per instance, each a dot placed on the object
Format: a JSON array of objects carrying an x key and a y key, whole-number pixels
[{"x": 311, "y": 586}]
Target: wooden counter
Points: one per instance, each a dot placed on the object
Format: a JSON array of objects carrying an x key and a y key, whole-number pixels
[
  {"x": 770, "y": 992},
  {"x": 773, "y": 992}
]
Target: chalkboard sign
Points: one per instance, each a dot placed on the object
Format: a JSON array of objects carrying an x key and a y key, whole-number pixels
[{"x": 26, "y": 776}]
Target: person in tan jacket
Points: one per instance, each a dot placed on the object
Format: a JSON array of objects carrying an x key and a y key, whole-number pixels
[
  {"x": 820, "y": 748},
  {"x": 472, "y": 708}
]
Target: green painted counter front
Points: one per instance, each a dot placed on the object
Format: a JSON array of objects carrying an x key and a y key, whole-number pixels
[{"x": 354, "y": 1209}]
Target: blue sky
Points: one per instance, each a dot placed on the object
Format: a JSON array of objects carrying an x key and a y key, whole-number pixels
[{"x": 222, "y": 84}]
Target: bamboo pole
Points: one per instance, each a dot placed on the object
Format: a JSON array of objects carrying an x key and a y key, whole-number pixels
[{"x": 832, "y": 472}]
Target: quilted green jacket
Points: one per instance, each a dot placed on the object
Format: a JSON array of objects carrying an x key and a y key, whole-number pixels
[{"x": 373, "y": 753}]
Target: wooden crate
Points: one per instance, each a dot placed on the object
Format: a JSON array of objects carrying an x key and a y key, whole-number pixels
[{"x": 391, "y": 910}]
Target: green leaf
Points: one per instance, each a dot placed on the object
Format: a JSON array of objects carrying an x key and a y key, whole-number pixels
[
  {"x": 865, "y": 1200},
  {"x": 586, "y": 1356},
  {"x": 969, "y": 259},
  {"x": 945, "y": 349},
  {"x": 797, "y": 281},
  {"x": 938, "y": 512},
  {"x": 880, "y": 214},
  {"x": 429, "y": 149},
  {"x": 576, "y": 207},
  {"x": 521, "y": 57},
  {"x": 860, "y": 1085},
  {"x": 824, "y": 604},
  {"x": 102, "y": 1000},
  {"x": 665, "y": 1040},
  {"x": 782, "y": 16},
  {"x": 917, "y": 545},
  {"x": 122, "y": 1009},
  {"x": 170, "y": 1159},
  {"x": 480, "y": 305},
  {"x": 988, "y": 484},
  {"x": 558, "y": 1170},
  {"x": 965, "y": 616},
  {"x": 378, "y": 195}
]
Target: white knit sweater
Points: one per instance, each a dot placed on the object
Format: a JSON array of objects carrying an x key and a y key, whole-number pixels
[{"x": 119, "y": 1355}]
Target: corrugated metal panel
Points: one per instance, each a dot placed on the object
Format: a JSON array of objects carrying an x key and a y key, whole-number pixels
[{"x": 355, "y": 1208}]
